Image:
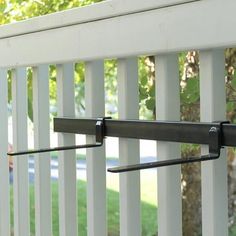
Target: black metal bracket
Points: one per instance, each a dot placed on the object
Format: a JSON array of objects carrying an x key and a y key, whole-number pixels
[
  {"x": 215, "y": 144},
  {"x": 215, "y": 134},
  {"x": 99, "y": 133}
]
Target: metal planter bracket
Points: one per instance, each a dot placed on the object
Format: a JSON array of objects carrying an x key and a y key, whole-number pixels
[
  {"x": 215, "y": 144},
  {"x": 99, "y": 133},
  {"x": 215, "y": 135}
]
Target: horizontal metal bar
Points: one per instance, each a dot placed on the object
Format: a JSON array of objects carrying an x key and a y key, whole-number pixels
[{"x": 184, "y": 132}]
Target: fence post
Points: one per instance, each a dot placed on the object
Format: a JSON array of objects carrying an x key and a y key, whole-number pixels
[
  {"x": 67, "y": 159},
  {"x": 4, "y": 165},
  {"x": 95, "y": 157},
  {"x": 169, "y": 178},
  {"x": 128, "y": 100},
  {"x": 20, "y": 169},
  {"x": 214, "y": 173},
  {"x": 42, "y": 160}
]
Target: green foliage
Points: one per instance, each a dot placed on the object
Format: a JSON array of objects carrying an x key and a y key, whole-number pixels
[
  {"x": 233, "y": 82},
  {"x": 190, "y": 93},
  {"x": 182, "y": 59},
  {"x": 230, "y": 76},
  {"x": 150, "y": 103},
  {"x": 16, "y": 10},
  {"x": 146, "y": 87},
  {"x": 111, "y": 96},
  {"x": 79, "y": 88},
  {"x": 30, "y": 92}
]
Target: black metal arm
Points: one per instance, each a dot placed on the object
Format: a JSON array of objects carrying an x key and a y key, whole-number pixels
[
  {"x": 215, "y": 137},
  {"x": 99, "y": 129}
]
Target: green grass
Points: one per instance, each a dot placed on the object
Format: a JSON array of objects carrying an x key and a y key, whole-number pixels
[
  {"x": 149, "y": 221},
  {"x": 148, "y": 212}
]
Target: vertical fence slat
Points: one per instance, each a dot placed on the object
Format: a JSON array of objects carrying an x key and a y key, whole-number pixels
[
  {"x": 20, "y": 169},
  {"x": 67, "y": 160},
  {"x": 169, "y": 185},
  {"x": 4, "y": 168},
  {"x": 214, "y": 173},
  {"x": 95, "y": 158},
  {"x": 128, "y": 100},
  {"x": 42, "y": 160}
]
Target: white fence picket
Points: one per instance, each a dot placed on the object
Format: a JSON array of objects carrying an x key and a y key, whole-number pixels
[
  {"x": 95, "y": 158},
  {"x": 4, "y": 165},
  {"x": 169, "y": 185},
  {"x": 42, "y": 160},
  {"x": 67, "y": 160},
  {"x": 214, "y": 173},
  {"x": 128, "y": 101},
  {"x": 20, "y": 170}
]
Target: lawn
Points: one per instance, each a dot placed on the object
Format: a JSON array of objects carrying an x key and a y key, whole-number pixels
[
  {"x": 148, "y": 206},
  {"x": 148, "y": 211}
]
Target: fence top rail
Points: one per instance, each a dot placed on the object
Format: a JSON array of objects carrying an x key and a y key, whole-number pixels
[
  {"x": 112, "y": 30},
  {"x": 86, "y": 14}
]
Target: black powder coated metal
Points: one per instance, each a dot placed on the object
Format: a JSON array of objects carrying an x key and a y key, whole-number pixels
[
  {"x": 169, "y": 131},
  {"x": 215, "y": 134},
  {"x": 99, "y": 133}
]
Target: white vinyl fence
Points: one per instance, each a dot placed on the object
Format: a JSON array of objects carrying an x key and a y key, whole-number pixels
[{"x": 124, "y": 30}]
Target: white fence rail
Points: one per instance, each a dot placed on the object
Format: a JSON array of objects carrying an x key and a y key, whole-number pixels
[{"x": 123, "y": 30}]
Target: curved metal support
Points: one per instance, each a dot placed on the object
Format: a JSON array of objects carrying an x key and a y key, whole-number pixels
[
  {"x": 215, "y": 137},
  {"x": 99, "y": 142}
]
